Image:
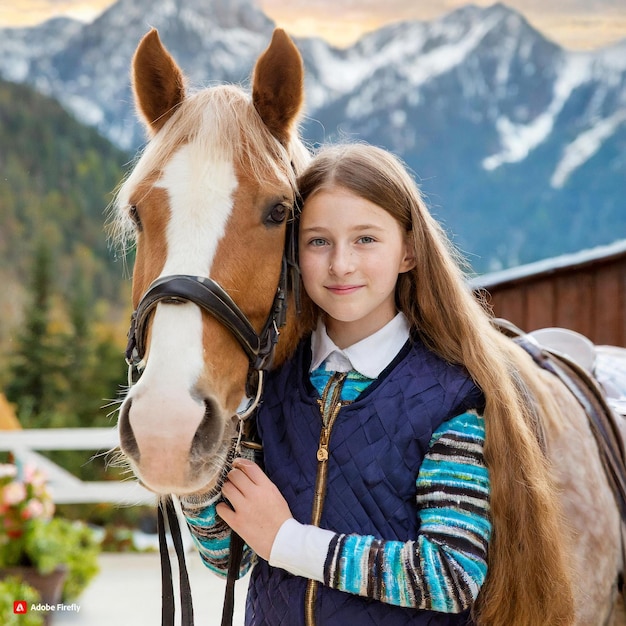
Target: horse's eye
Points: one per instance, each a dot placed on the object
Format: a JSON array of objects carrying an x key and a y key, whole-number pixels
[
  {"x": 277, "y": 215},
  {"x": 133, "y": 213}
]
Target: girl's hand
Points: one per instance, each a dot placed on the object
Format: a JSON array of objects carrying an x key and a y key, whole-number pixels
[{"x": 259, "y": 508}]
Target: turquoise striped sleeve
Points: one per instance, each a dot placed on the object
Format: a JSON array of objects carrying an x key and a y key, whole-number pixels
[
  {"x": 445, "y": 566},
  {"x": 211, "y": 536}
]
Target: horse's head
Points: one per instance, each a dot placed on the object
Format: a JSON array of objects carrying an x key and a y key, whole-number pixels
[{"x": 209, "y": 198}]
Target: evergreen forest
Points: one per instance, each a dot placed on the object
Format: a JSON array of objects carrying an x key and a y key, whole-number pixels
[{"x": 65, "y": 302}]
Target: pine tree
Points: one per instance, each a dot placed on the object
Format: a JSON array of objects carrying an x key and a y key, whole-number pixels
[
  {"x": 95, "y": 364},
  {"x": 32, "y": 384}
]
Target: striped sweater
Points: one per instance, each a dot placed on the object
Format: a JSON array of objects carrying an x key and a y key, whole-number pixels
[{"x": 443, "y": 568}]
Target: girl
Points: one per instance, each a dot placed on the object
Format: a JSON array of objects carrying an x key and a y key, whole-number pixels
[{"x": 402, "y": 483}]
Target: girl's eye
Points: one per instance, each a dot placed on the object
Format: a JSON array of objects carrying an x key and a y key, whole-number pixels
[
  {"x": 366, "y": 239},
  {"x": 317, "y": 242}
]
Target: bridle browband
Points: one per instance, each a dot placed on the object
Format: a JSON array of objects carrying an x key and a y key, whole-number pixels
[{"x": 258, "y": 347}]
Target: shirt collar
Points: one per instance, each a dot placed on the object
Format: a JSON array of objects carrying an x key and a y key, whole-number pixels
[{"x": 369, "y": 357}]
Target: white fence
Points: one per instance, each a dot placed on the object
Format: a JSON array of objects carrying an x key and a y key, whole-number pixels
[{"x": 64, "y": 486}]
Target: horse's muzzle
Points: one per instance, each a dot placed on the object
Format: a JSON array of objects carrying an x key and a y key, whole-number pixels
[{"x": 172, "y": 453}]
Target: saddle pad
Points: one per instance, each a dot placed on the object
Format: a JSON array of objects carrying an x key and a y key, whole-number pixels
[{"x": 610, "y": 370}]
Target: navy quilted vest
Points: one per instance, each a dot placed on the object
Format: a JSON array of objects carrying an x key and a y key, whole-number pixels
[{"x": 376, "y": 449}]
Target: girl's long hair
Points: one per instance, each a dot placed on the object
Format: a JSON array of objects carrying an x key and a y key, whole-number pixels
[{"x": 528, "y": 580}]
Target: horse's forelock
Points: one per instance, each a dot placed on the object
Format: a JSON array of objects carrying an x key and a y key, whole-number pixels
[{"x": 225, "y": 120}]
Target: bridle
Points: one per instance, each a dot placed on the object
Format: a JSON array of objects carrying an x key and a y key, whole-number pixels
[{"x": 211, "y": 297}]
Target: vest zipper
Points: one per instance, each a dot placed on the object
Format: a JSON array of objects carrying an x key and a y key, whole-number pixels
[{"x": 329, "y": 410}]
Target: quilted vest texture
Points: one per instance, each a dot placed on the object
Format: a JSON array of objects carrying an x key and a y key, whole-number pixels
[{"x": 376, "y": 448}]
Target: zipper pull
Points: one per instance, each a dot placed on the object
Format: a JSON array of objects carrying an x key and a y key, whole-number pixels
[{"x": 322, "y": 451}]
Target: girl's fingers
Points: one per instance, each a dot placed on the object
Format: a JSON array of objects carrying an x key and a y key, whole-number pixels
[
  {"x": 250, "y": 469},
  {"x": 233, "y": 498},
  {"x": 255, "y": 508},
  {"x": 239, "y": 484},
  {"x": 237, "y": 478},
  {"x": 225, "y": 512}
]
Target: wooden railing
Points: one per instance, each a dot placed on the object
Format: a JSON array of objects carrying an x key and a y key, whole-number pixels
[{"x": 66, "y": 488}]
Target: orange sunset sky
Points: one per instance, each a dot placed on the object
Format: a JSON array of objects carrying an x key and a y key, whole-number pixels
[{"x": 574, "y": 24}]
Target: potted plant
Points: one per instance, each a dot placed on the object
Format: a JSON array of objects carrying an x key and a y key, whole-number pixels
[
  {"x": 57, "y": 556},
  {"x": 12, "y": 590}
]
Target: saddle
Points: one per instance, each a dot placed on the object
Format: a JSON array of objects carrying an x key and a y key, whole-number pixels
[{"x": 571, "y": 358}]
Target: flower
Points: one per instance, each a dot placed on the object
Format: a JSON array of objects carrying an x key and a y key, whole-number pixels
[
  {"x": 34, "y": 508},
  {"x": 23, "y": 498},
  {"x": 30, "y": 536}
]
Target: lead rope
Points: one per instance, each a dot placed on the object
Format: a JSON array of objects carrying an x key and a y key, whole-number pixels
[
  {"x": 234, "y": 563},
  {"x": 167, "y": 587},
  {"x": 168, "y": 609}
]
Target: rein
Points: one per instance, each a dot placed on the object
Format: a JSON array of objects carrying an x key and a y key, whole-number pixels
[{"x": 259, "y": 348}]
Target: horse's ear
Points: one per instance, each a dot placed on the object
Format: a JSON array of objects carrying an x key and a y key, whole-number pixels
[
  {"x": 158, "y": 83},
  {"x": 277, "y": 88}
]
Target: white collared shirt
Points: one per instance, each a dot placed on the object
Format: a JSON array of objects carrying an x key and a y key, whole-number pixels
[{"x": 369, "y": 357}]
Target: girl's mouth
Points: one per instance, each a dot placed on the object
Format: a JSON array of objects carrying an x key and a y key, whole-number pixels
[{"x": 343, "y": 290}]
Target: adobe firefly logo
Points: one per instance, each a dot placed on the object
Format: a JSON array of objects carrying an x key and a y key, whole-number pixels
[{"x": 20, "y": 607}]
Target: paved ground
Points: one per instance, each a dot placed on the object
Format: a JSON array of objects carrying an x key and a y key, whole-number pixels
[{"x": 127, "y": 592}]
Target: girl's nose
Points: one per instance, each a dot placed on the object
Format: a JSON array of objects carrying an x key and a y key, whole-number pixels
[{"x": 341, "y": 261}]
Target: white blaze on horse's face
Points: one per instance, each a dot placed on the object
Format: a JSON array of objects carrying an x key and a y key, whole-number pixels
[
  {"x": 200, "y": 190},
  {"x": 207, "y": 199}
]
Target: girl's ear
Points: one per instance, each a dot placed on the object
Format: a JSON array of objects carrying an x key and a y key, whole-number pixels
[{"x": 408, "y": 261}]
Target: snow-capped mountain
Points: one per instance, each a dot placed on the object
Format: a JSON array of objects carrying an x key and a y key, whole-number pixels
[
  {"x": 518, "y": 143},
  {"x": 87, "y": 69},
  {"x": 520, "y": 146}
]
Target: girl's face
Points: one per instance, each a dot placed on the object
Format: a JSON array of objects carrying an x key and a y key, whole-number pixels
[{"x": 351, "y": 252}]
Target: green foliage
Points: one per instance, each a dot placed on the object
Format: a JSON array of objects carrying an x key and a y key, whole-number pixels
[
  {"x": 36, "y": 353},
  {"x": 63, "y": 362},
  {"x": 60, "y": 375},
  {"x": 13, "y": 588},
  {"x": 118, "y": 523},
  {"x": 58, "y": 177},
  {"x": 31, "y": 537},
  {"x": 61, "y": 341},
  {"x": 63, "y": 543}
]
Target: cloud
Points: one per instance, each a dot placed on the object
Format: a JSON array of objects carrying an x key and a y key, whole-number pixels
[{"x": 30, "y": 12}]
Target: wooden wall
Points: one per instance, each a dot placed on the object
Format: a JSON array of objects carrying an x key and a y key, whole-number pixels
[{"x": 586, "y": 294}]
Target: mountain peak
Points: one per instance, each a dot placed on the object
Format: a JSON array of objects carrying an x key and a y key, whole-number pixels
[{"x": 193, "y": 14}]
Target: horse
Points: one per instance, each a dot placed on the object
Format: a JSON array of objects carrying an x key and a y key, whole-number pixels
[{"x": 208, "y": 205}]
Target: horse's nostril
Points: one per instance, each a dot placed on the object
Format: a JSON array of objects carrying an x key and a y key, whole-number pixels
[
  {"x": 128, "y": 443},
  {"x": 209, "y": 434}
]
